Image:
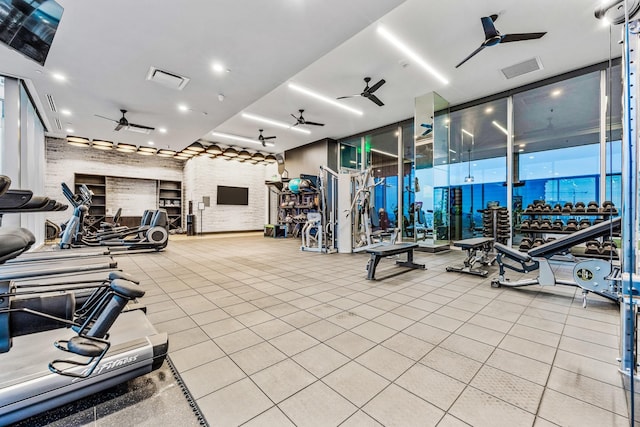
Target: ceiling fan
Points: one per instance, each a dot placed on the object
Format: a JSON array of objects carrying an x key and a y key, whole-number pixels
[
  {"x": 123, "y": 123},
  {"x": 493, "y": 37},
  {"x": 302, "y": 121},
  {"x": 367, "y": 92},
  {"x": 263, "y": 139}
]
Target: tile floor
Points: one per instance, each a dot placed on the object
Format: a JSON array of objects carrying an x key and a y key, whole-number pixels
[{"x": 266, "y": 335}]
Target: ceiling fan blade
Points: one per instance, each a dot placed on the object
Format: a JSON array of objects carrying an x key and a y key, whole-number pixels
[
  {"x": 119, "y": 126},
  {"x": 269, "y": 137},
  {"x": 141, "y": 126},
  {"x": 313, "y": 123},
  {"x": 295, "y": 117},
  {"x": 519, "y": 37},
  {"x": 106, "y": 118},
  {"x": 376, "y": 100},
  {"x": 376, "y": 86},
  {"x": 348, "y": 96},
  {"x": 295, "y": 124},
  {"x": 470, "y": 56},
  {"x": 488, "y": 27}
]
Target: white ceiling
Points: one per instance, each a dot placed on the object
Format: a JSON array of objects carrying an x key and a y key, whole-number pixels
[{"x": 105, "y": 48}]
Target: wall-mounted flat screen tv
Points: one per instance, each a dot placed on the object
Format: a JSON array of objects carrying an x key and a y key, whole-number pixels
[
  {"x": 28, "y": 26},
  {"x": 232, "y": 195}
]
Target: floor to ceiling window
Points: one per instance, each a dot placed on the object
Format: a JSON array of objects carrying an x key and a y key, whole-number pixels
[
  {"x": 477, "y": 165},
  {"x": 556, "y": 146},
  {"x": 1, "y": 121}
]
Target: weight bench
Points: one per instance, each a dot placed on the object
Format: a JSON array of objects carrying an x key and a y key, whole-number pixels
[
  {"x": 384, "y": 251},
  {"x": 472, "y": 246},
  {"x": 593, "y": 275}
]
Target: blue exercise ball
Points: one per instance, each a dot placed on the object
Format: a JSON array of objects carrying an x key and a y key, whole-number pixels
[{"x": 297, "y": 184}]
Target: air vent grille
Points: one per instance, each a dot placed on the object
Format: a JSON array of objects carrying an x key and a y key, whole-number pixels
[
  {"x": 58, "y": 124},
  {"x": 521, "y": 68},
  {"x": 52, "y": 103},
  {"x": 167, "y": 79}
]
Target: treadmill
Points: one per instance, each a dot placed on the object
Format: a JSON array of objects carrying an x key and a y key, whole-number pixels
[{"x": 46, "y": 363}]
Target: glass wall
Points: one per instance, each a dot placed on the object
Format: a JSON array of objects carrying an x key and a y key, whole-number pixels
[
  {"x": 556, "y": 144},
  {"x": 381, "y": 149},
  {"x": 1, "y": 121},
  {"x": 477, "y": 165}
]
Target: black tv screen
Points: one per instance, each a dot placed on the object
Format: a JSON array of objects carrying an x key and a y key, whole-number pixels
[
  {"x": 232, "y": 195},
  {"x": 28, "y": 26}
]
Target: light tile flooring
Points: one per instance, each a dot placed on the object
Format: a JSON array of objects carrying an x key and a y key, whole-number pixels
[{"x": 266, "y": 335}]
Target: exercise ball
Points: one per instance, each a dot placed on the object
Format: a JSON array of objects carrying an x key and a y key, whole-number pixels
[{"x": 297, "y": 184}]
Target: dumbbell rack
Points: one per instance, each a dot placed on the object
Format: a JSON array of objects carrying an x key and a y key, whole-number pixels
[
  {"x": 552, "y": 215},
  {"x": 495, "y": 223}
]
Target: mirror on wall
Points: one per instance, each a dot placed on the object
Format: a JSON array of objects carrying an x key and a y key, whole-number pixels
[{"x": 429, "y": 210}]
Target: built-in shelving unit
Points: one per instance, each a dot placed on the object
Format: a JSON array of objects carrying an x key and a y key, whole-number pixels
[
  {"x": 98, "y": 186},
  {"x": 170, "y": 199}
]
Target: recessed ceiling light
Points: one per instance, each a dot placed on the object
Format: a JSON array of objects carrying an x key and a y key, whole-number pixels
[
  {"x": 150, "y": 142},
  {"x": 69, "y": 130},
  {"x": 162, "y": 130},
  {"x": 59, "y": 77},
  {"x": 402, "y": 47},
  {"x": 522, "y": 145},
  {"x": 65, "y": 112},
  {"x": 467, "y": 132},
  {"x": 183, "y": 108},
  {"x": 488, "y": 110},
  {"x": 324, "y": 98},
  {"x": 239, "y": 138},
  {"x": 219, "y": 68},
  {"x": 556, "y": 93},
  {"x": 520, "y": 150},
  {"x": 274, "y": 123}
]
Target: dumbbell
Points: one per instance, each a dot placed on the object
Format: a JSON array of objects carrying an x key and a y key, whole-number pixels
[
  {"x": 608, "y": 248},
  {"x": 557, "y": 208},
  {"x": 529, "y": 208},
  {"x": 593, "y": 248},
  {"x": 592, "y": 206},
  {"x": 545, "y": 224},
  {"x": 579, "y": 207},
  {"x": 546, "y": 207},
  {"x": 557, "y": 225},
  {"x": 525, "y": 244},
  {"x": 584, "y": 223},
  {"x": 572, "y": 225},
  {"x": 567, "y": 208},
  {"x": 537, "y": 242},
  {"x": 550, "y": 239},
  {"x": 534, "y": 225},
  {"x": 526, "y": 224}
]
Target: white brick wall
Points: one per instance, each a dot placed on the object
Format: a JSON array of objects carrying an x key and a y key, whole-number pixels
[
  {"x": 133, "y": 195},
  {"x": 64, "y": 160},
  {"x": 202, "y": 177}
]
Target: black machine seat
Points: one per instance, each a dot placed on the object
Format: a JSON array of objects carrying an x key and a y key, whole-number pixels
[
  {"x": 5, "y": 182},
  {"x": 14, "y": 241},
  {"x": 13, "y": 199},
  {"x": 562, "y": 245}
]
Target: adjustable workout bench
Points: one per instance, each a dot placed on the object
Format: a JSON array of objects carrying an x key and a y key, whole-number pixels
[
  {"x": 592, "y": 275},
  {"x": 380, "y": 252},
  {"x": 472, "y": 246}
]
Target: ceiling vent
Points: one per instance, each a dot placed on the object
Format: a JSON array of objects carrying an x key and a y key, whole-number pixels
[
  {"x": 58, "y": 124},
  {"x": 52, "y": 103},
  {"x": 167, "y": 79},
  {"x": 521, "y": 68}
]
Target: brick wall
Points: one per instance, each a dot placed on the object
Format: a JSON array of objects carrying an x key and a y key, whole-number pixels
[
  {"x": 202, "y": 177},
  {"x": 64, "y": 160}
]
